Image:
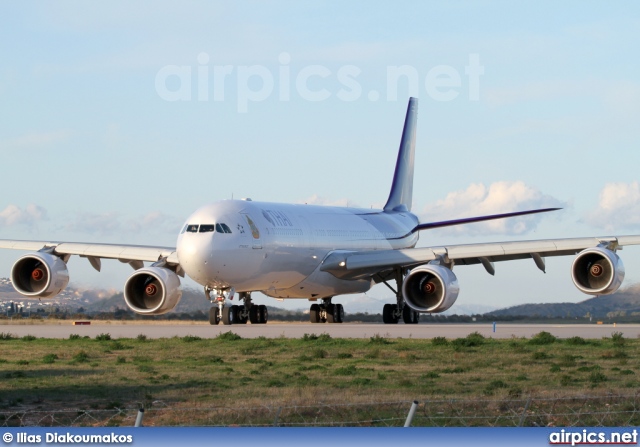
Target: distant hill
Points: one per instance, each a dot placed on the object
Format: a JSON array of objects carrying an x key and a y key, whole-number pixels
[
  {"x": 623, "y": 303},
  {"x": 191, "y": 301}
]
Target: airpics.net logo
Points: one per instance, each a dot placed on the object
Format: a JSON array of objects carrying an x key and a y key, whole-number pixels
[{"x": 245, "y": 84}]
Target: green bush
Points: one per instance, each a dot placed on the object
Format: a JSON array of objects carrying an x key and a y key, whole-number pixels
[
  {"x": 345, "y": 371},
  {"x": 190, "y": 338},
  {"x": 597, "y": 377},
  {"x": 229, "y": 336},
  {"x": 439, "y": 341},
  {"x": 103, "y": 337},
  {"x": 81, "y": 357},
  {"x": 324, "y": 337},
  {"x": 319, "y": 354},
  {"x": 472, "y": 340},
  {"x": 117, "y": 345},
  {"x": 575, "y": 341},
  {"x": 377, "y": 339},
  {"x": 618, "y": 339},
  {"x": 49, "y": 358},
  {"x": 542, "y": 338},
  {"x": 540, "y": 355},
  {"x": 313, "y": 337}
]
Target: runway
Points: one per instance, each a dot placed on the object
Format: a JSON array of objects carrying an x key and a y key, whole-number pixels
[{"x": 120, "y": 329}]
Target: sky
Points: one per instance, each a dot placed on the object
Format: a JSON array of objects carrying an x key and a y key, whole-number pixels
[{"x": 119, "y": 119}]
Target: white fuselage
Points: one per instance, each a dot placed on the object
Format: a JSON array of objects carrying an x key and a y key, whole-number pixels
[{"x": 277, "y": 248}]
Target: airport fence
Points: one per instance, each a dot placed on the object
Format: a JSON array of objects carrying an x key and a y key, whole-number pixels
[{"x": 604, "y": 410}]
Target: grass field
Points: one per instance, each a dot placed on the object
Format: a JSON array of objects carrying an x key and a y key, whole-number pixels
[{"x": 188, "y": 372}]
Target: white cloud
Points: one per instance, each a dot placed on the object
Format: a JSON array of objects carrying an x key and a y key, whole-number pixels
[
  {"x": 618, "y": 207},
  {"x": 14, "y": 215},
  {"x": 35, "y": 140},
  {"x": 497, "y": 198},
  {"x": 154, "y": 221},
  {"x": 112, "y": 223}
]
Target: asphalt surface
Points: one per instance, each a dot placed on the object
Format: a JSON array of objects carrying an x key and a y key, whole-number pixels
[{"x": 296, "y": 330}]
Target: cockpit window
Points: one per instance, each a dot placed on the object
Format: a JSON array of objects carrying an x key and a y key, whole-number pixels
[
  {"x": 207, "y": 228},
  {"x": 184, "y": 228}
]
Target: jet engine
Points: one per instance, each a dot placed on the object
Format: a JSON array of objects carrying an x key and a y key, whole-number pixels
[
  {"x": 430, "y": 288},
  {"x": 152, "y": 291},
  {"x": 597, "y": 271},
  {"x": 40, "y": 275}
]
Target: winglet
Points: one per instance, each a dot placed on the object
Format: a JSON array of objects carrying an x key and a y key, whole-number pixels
[{"x": 401, "y": 194}]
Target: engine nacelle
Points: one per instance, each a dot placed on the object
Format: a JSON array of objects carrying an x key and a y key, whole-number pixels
[
  {"x": 41, "y": 275},
  {"x": 597, "y": 271},
  {"x": 152, "y": 291},
  {"x": 430, "y": 288}
]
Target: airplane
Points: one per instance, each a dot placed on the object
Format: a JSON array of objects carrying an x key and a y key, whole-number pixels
[{"x": 313, "y": 252}]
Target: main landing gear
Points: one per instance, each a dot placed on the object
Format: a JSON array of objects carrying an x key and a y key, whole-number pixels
[
  {"x": 326, "y": 312},
  {"x": 392, "y": 313},
  {"x": 235, "y": 314}
]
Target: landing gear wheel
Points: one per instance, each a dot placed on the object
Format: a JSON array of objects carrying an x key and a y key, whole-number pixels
[
  {"x": 237, "y": 317},
  {"x": 339, "y": 313},
  {"x": 410, "y": 316},
  {"x": 213, "y": 316},
  {"x": 314, "y": 313},
  {"x": 228, "y": 315},
  {"x": 388, "y": 314},
  {"x": 331, "y": 313},
  {"x": 263, "y": 314},
  {"x": 254, "y": 314}
]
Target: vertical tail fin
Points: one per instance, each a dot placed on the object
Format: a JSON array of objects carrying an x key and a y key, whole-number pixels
[{"x": 401, "y": 193}]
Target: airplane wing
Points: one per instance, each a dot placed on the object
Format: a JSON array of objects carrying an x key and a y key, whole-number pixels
[
  {"x": 354, "y": 265},
  {"x": 130, "y": 254}
]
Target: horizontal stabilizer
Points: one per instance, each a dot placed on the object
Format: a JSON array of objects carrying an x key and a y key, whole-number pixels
[{"x": 468, "y": 220}]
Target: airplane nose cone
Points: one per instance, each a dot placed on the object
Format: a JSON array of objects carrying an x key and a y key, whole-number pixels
[{"x": 196, "y": 256}]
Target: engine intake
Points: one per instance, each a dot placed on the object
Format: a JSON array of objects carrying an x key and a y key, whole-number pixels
[
  {"x": 40, "y": 274},
  {"x": 152, "y": 291},
  {"x": 597, "y": 271},
  {"x": 430, "y": 288}
]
